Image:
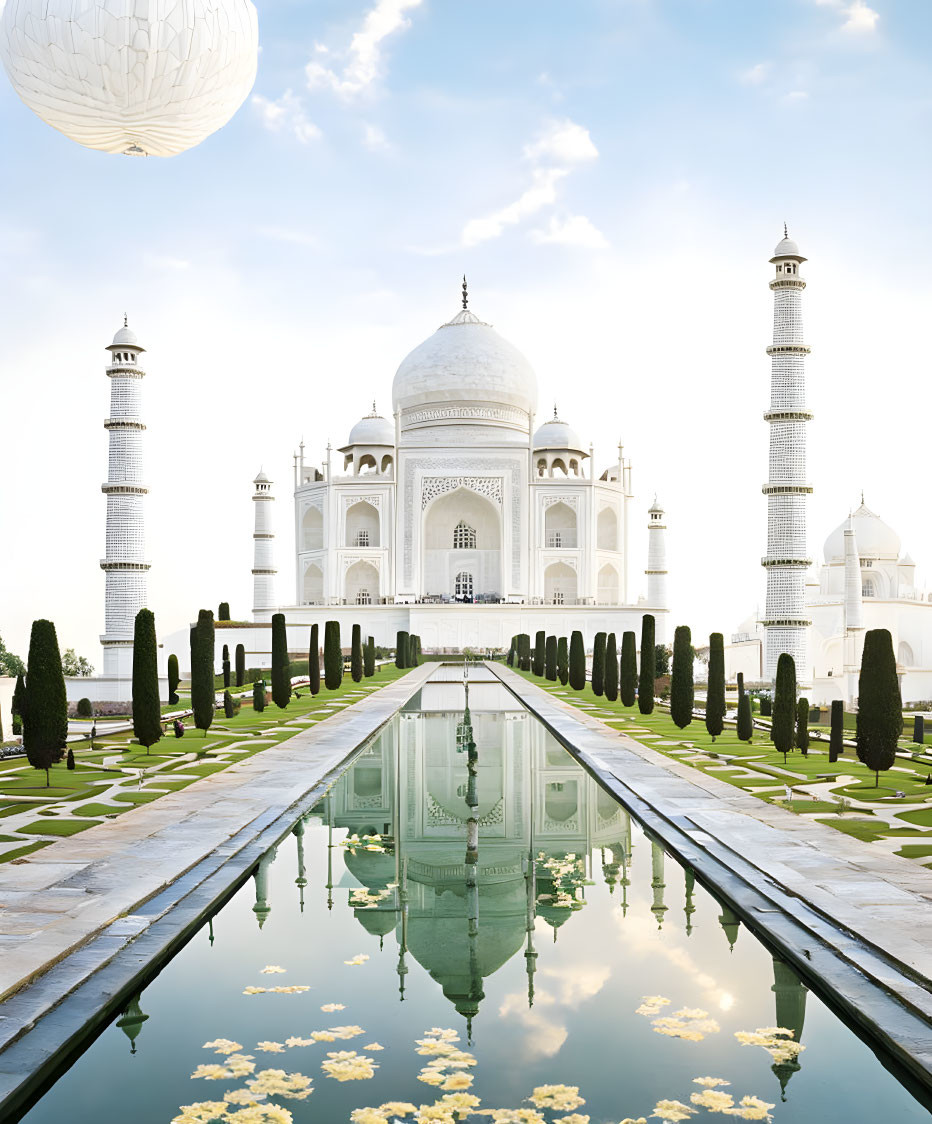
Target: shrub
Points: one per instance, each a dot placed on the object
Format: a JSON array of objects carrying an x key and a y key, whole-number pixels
[
  {"x": 661, "y": 661},
  {"x": 610, "y": 686},
  {"x": 563, "y": 661},
  {"x": 46, "y": 708},
  {"x": 401, "y": 650},
  {"x": 648, "y": 657},
  {"x": 919, "y": 730},
  {"x": 69, "y": 760},
  {"x": 228, "y": 710},
  {"x": 356, "y": 654},
  {"x": 715, "y": 693},
  {"x": 174, "y": 678},
  {"x": 368, "y": 657},
  {"x": 85, "y": 709},
  {"x": 19, "y": 703},
  {"x": 766, "y": 706},
  {"x": 413, "y": 648},
  {"x": 577, "y": 661},
  {"x": 223, "y": 611},
  {"x": 226, "y": 666},
  {"x": 540, "y": 653},
  {"x": 628, "y": 670},
  {"x": 783, "y": 727},
  {"x": 880, "y": 707},
  {"x": 836, "y": 744},
  {"x": 202, "y": 670},
  {"x": 745, "y": 723},
  {"x": 598, "y": 663},
  {"x": 802, "y": 726},
  {"x": 281, "y": 679},
  {"x": 313, "y": 661},
  {"x": 550, "y": 659},
  {"x": 510, "y": 658},
  {"x": 258, "y": 695},
  {"x": 333, "y": 656},
  {"x": 682, "y": 692},
  {"x": 147, "y": 707}
]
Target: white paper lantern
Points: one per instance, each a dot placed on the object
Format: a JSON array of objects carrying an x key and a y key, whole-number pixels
[{"x": 145, "y": 77}]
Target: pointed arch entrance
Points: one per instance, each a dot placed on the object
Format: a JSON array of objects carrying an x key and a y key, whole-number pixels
[{"x": 462, "y": 538}]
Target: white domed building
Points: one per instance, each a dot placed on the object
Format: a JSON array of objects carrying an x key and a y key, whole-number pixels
[{"x": 456, "y": 518}]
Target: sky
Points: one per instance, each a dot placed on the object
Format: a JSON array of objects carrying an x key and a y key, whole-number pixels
[{"x": 611, "y": 176}]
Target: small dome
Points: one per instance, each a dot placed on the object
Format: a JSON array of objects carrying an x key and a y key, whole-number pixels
[
  {"x": 465, "y": 361},
  {"x": 874, "y": 538},
  {"x": 262, "y": 478},
  {"x": 126, "y": 337},
  {"x": 656, "y": 506},
  {"x": 373, "y": 429},
  {"x": 556, "y": 434},
  {"x": 787, "y": 248}
]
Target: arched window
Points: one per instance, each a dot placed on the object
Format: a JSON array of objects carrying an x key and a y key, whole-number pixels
[
  {"x": 362, "y": 538},
  {"x": 362, "y": 521},
  {"x": 560, "y": 526},
  {"x": 904, "y": 655},
  {"x": 463, "y": 587},
  {"x": 313, "y": 529},
  {"x": 607, "y": 529},
  {"x": 313, "y": 585},
  {"x": 363, "y": 597},
  {"x": 867, "y": 587},
  {"x": 464, "y": 537}
]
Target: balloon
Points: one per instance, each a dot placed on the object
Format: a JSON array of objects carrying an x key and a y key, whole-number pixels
[{"x": 142, "y": 77}]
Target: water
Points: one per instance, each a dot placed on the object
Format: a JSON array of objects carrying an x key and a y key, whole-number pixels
[{"x": 539, "y": 994}]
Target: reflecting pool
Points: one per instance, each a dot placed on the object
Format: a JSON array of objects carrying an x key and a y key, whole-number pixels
[{"x": 468, "y": 915}]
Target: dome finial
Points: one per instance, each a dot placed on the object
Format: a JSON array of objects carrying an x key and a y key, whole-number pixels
[
  {"x": 465, "y": 293},
  {"x": 862, "y": 497},
  {"x": 555, "y": 412},
  {"x": 785, "y": 232},
  {"x": 125, "y": 320}
]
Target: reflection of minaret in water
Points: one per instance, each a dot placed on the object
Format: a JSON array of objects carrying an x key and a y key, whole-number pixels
[
  {"x": 731, "y": 923},
  {"x": 689, "y": 909},
  {"x": 262, "y": 908},
  {"x": 470, "y": 1007},
  {"x": 329, "y": 851},
  {"x": 210, "y": 931},
  {"x": 790, "y": 1005},
  {"x": 130, "y": 1022},
  {"x": 402, "y": 968},
  {"x": 657, "y": 884},
  {"x": 301, "y": 881}
]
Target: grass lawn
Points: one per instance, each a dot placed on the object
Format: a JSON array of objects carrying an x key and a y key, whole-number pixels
[
  {"x": 56, "y": 827},
  {"x": 26, "y": 849},
  {"x": 97, "y": 811}
]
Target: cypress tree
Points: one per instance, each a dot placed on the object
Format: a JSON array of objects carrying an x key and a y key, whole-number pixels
[
  {"x": 223, "y": 611},
  {"x": 563, "y": 661},
  {"x": 715, "y": 695},
  {"x": 628, "y": 670},
  {"x": 550, "y": 659},
  {"x": 18, "y": 707},
  {"x": 174, "y": 678},
  {"x": 258, "y": 696},
  {"x": 577, "y": 661},
  {"x": 147, "y": 710},
  {"x": 313, "y": 661},
  {"x": 228, "y": 708},
  {"x": 783, "y": 723},
  {"x": 648, "y": 658},
  {"x": 240, "y": 665},
  {"x": 526, "y": 651},
  {"x": 802, "y": 726},
  {"x": 610, "y": 686},
  {"x": 745, "y": 723},
  {"x": 836, "y": 744},
  {"x": 401, "y": 650},
  {"x": 281, "y": 679},
  {"x": 356, "y": 654},
  {"x": 412, "y": 660},
  {"x": 368, "y": 657},
  {"x": 682, "y": 693},
  {"x": 226, "y": 666},
  {"x": 766, "y": 706},
  {"x": 598, "y": 663},
  {"x": 880, "y": 708},
  {"x": 540, "y": 652},
  {"x": 46, "y": 711},
  {"x": 919, "y": 730},
  {"x": 69, "y": 762},
  {"x": 333, "y": 656},
  {"x": 203, "y": 696},
  {"x": 510, "y": 658}
]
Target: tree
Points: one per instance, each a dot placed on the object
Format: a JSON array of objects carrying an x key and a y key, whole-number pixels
[
  {"x": 577, "y": 661},
  {"x": 510, "y": 658},
  {"x": 628, "y": 670},
  {"x": 258, "y": 696},
  {"x": 281, "y": 677},
  {"x": 240, "y": 665},
  {"x": 223, "y": 611},
  {"x": 682, "y": 692},
  {"x": 356, "y": 654},
  {"x": 540, "y": 653},
  {"x": 648, "y": 657},
  {"x": 766, "y": 706},
  {"x": 18, "y": 707},
  {"x": 46, "y": 710},
  {"x": 203, "y": 695},
  {"x": 836, "y": 741},
  {"x": 228, "y": 708},
  {"x": 313, "y": 660},
  {"x": 610, "y": 686},
  {"x": 745, "y": 723},
  {"x": 715, "y": 693},
  {"x": 661, "y": 660},
  {"x": 598, "y": 663},
  {"x": 401, "y": 650},
  {"x": 919, "y": 730},
  {"x": 783, "y": 723},
  {"x": 9, "y": 663},
  {"x": 368, "y": 657},
  {"x": 333, "y": 655},
  {"x": 75, "y": 666},
  {"x": 147, "y": 706},
  {"x": 85, "y": 708},
  {"x": 174, "y": 678},
  {"x": 550, "y": 659},
  {"x": 226, "y": 666},
  {"x": 880, "y": 708},
  {"x": 563, "y": 661},
  {"x": 413, "y": 644},
  {"x": 69, "y": 760},
  {"x": 802, "y": 726}
]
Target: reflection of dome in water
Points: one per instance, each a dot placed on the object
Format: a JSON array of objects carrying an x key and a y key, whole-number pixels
[
  {"x": 374, "y": 869},
  {"x": 377, "y": 922}
]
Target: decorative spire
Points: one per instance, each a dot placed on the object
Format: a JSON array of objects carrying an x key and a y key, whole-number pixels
[
  {"x": 465, "y": 293},
  {"x": 125, "y": 320},
  {"x": 785, "y": 233},
  {"x": 862, "y": 497},
  {"x": 555, "y": 418}
]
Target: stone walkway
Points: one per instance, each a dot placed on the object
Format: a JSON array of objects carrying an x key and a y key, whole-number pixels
[{"x": 841, "y": 910}]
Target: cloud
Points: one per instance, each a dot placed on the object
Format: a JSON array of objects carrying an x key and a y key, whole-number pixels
[
  {"x": 859, "y": 19},
  {"x": 286, "y": 234},
  {"x": 374, "y": 139},
  {"x": 286, "y": 115},
  {"x": 363, "y": 58},
  {"x": 794, "y": 97},
  {"x": 165, "y": 262},
  {"x": 756, "y": 74},
  {"x": 574, "y": 230},
  {"x": 554, "y": 153}
]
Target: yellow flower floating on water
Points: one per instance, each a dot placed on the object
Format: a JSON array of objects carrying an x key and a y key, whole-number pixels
[
  {"x": 435, "y": 1114},
  {"x": 323, "y": 1036},
  {"x": 201, "y": 1112},
  {"x": 573, "y": 1118},
  {"x": 359, "y": 958},
  {"x": 430, "y": 1075},
  {"x": 631, "y": 1120},
  {"x": 693, "y": 1024},
  {"x": 461, "y": 1103},
  {"x": 713, "y": 1099},
  {"x": 278, "y": 1083},
  {"x": 373, "y": 1046},
  {"x": 557, "y": 1096},
  {"x": 673, "y": 1110},
  {"x": 271, "y": 970},
  {"x": 512, "y": 1115},
  {"x": 243, "y": 1096},
  {"x": 397, "y": 1108},
  {"x": 457, "y": 1081},
  {"x": 710, "y": 1082},
  {"x": 290, "y": 989},
  {"x": 652, "y": 1004},
  {"x": 345, "y": 1031},
  {"x": 776, "y": 1040},
  {"x": 295, "y": 1041},
  {"x": 347, "y": 1065},
  {"x": 331, "y": 1007},
  {"x": 254, "y": 990},
  {"x": 271, "y": 1047},
  {"x": 368, "y": 1116},
  {"x": 240, "y": 1065},
  {"x": 751, "y": 1108},
  {"x": 212, "y": 1072},
  {"x": 223, "y": 1046}
]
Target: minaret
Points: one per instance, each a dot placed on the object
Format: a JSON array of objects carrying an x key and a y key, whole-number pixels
[
  {"x": 124, "y": 564},
  {"x": 657, "y": 568},
  {"x": 263, "y": 565},
  {"x": 854, "y": 615},
  {"x": 786, "y": 561}
]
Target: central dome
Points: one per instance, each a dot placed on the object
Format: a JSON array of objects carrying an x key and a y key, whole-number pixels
[
  {"x": 874, "y": 538},
  {"x": 465, "y": 362}
]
